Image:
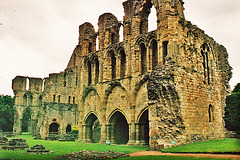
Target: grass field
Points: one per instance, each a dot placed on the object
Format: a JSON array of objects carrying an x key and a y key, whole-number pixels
[
  {"x": 223, "y": 145},
  {"x": 226, "y": 145}
]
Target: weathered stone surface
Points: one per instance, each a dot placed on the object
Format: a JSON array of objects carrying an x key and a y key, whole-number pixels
[
  {"x": 3, "y": 140},
  {"x": 85, "y": 154},
  {"x": 16, "y": 144},
  {"x": 38, "y": 149},
  {"x": 167, "y": 86},
  {"x": 66, "y": 137}
]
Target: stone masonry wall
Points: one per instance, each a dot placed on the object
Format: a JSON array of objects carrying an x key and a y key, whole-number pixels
[{"x": 165, "y": 87}]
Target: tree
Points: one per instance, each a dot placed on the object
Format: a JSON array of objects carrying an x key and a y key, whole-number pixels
[
  {"x": 236, "y": 88},
  {"x": 6, "y": 113},
  {"x": 232, "y": 110}
]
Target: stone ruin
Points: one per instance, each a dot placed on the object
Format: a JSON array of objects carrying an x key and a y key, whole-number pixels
[
  {"x": 66, "y": 137},
  {"x": 52, "y": 137},
  {"x": 163, "y": 87},
  {"x": 86, "y": 155},
  {"x": 38, "y": 149},
  {"x": 16, "y": 144},
  {"x": 3, "y": 140}
]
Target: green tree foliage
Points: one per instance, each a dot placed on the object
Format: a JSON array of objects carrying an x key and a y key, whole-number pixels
[
  {"x": 232, "y": 110},
  {"x": 6, "y": 113},
  {"x": 236, "y": 88}
]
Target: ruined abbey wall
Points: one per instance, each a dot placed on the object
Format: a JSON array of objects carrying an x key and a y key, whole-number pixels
[{"x": 167, "y": 86}]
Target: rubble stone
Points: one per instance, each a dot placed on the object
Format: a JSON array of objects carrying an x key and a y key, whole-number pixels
[
  {"x": 16, "y": 144},
  {"x": 85, "y": 155}
]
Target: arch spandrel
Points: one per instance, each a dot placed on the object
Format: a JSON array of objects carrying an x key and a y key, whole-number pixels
[
  {"x": 118, "y": 98},
  {"x": 91, "y": 102}
]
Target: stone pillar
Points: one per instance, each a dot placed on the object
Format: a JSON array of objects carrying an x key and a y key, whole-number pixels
[
  {"x": 112, "y": 134},
  {"x": 132, "y": 134},
  {"x": 132, "y": 128},
  {"x": 84, "y": 133},
  {"x": 108, "y": 131},
  {"x": 103, "y": 133},
  {"x": 33, "y": 126},
  {"x": 17, "y": 127},
  {"x": 137, "y": 134}
]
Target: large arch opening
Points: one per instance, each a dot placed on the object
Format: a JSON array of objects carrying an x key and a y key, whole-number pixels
[
  {"x": 93, "y": 129},
  {"x": 53, "y": 128},
  {"x": 69, "y": 128},
  {"x": 26, "y": 121},
  {"x": 143, "y": 129},
  {"x": 119, "y": 128}
]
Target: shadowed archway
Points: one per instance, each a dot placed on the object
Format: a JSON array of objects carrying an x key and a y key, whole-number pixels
[
  {"x": 143, "y": 129},
  {"x": 92, "y": 129},
  {"x": 118, "y": 129},
  {"x": 53, "y": 128}
]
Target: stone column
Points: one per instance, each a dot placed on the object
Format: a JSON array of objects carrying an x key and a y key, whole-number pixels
[
  {"x": 34, "y": 125},
  {"x": 84, "y": 133},
  {"x": 17, "y": 127},
  {"x": 108, "y": 131},
  {"x": 137, "y": 134},
  {"x": 103, "y": 133},
  {"x": 112, "y": 134},
  {"x": 132, "y": 128},
  {"x": 132, "y": 134}
]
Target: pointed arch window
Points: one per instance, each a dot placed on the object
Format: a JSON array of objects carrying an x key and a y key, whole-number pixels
[
  {"x": 113, "y": 64},
  {"x": 31, "y": 100},
  {"x": 205, "y": 63},
  {"x": 210, "y": 113},
  {"x": 96, "y": 63},
  {"x": 90, "y": 47},
  {"x": 165, "y": 51},
  {"x": 89, "y": 70},
  {"x": 122, "y": 63},
  {"x": 40, "y": 100},
  {"x": 25, "y": 100},
  {"x": 154, "y": 54},
  {"x": 143, "y": 50}
]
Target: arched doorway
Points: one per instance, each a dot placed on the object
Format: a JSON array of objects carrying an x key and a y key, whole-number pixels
[
  {"x": 69, "y": 128},
  {"x": 26, "y": 121},
  {"x": 53, "y": 128},
  {"x": 118, "y": 129},
  {"x": 92, "y": 129},
  {"x": 143, "y": 129}
]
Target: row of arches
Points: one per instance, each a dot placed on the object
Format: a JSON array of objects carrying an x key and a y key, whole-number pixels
[
  {"x": 116, "y": 62},
  {"x": 117, "y": 128}
]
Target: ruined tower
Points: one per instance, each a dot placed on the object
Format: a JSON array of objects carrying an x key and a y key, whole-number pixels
[{"x": 166, "y": 86}]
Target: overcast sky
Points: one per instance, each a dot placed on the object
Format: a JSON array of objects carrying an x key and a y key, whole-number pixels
[{"x": 38, "y": 37}]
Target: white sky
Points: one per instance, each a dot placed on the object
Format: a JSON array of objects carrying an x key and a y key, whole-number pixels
[{"x": 38, "y": 37}]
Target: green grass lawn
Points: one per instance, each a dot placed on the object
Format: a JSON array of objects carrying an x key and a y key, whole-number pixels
[
  {"x": 64, "y": 147},
  {"x": 168, "y": 158},
  {"x": 223, "y": 145}
]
